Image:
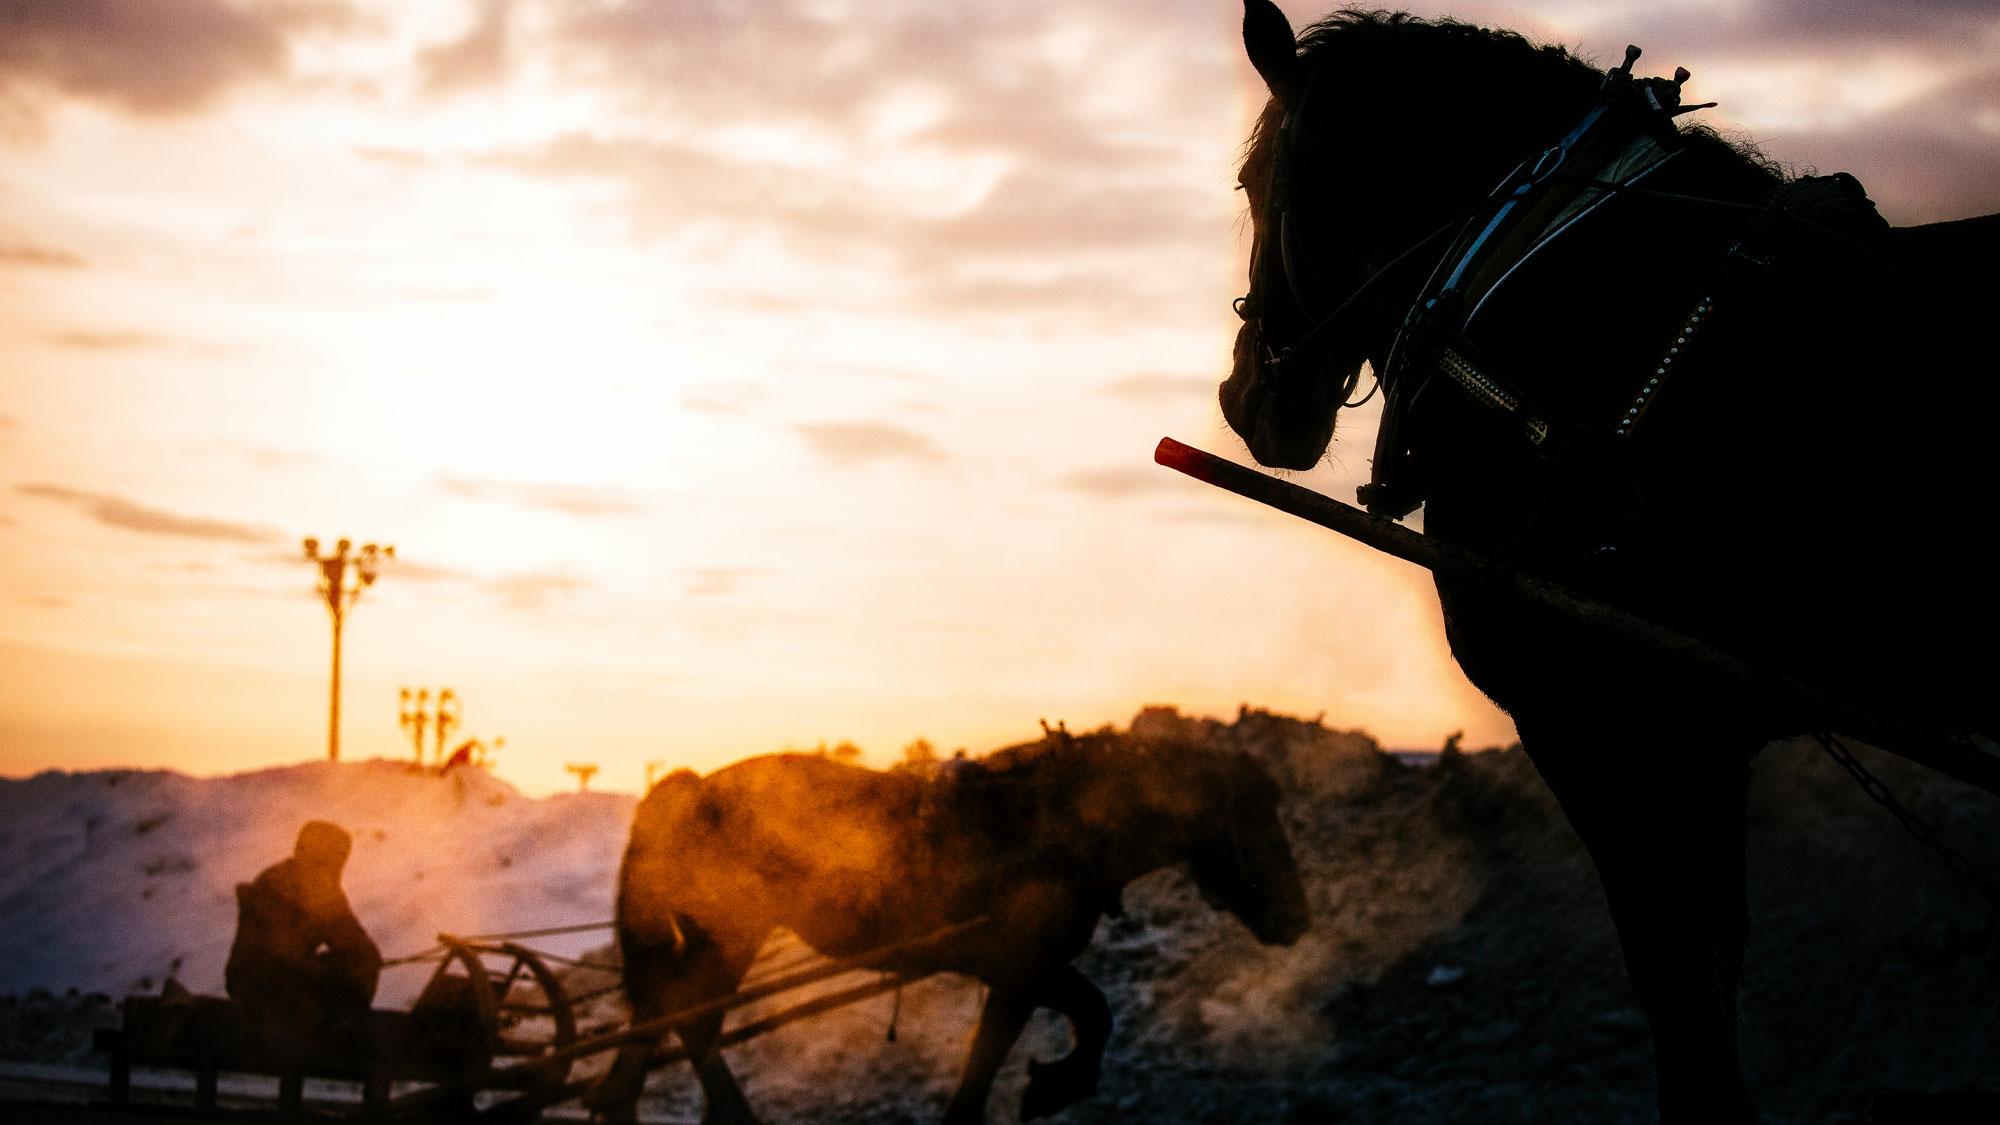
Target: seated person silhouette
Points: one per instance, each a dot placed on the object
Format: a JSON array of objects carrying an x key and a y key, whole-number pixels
[{"x": 301, "y": 960}]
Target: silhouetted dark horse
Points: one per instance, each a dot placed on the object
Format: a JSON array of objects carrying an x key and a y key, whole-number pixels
[
  {"x": 1745, "y": 408},
  {"x": 1039, "y": 840}
]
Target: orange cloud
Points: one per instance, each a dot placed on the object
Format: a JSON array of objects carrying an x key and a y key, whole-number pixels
[
  {"x": 714, "y": 581},
  {"x": 116, "y": 511},
  {"x": 1122, "y": 481},
  {"x": 533, "y": 591},
  {"x": 1150, "y": 387},
  {"x": 854, "y": 444},
  {"x": 576, "y": 500},
  {"x": 83, "y": 340},
  {"x": 478, "y": 59},
  {"x": 45, "y": 257}
]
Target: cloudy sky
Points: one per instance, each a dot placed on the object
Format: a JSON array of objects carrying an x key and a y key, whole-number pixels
[{"x": 728, "y": 376}]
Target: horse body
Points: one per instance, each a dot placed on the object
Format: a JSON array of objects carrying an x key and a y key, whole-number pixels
[
  {"x": 1827, "y": 405},
  {"x": 851, "y": 860}
]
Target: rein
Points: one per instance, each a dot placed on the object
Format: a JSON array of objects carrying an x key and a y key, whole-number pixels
[{"x": 1274, "y": 365}]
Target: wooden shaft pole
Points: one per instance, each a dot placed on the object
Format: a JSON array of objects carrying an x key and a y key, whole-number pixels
[
  {"x": 654, "y": 1028},
  {"x": 1950, "y": 756}
]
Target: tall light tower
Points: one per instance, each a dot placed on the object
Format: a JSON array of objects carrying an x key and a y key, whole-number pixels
[
  {"x": 342, "y": 577},
  {"x": 414, "y": 721},
  {"x": 450, "y": 713}
]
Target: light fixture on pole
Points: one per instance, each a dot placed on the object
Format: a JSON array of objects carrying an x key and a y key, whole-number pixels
[{"x": 342, "y": 577}]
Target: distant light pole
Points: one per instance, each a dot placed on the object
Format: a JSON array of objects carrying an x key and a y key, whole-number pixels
[
  {"x": 414, "y": 719},
  {"x": 449, "y": 714},
  {"x": 342, "y": 577},
  {"x": 582, "y": 770}
]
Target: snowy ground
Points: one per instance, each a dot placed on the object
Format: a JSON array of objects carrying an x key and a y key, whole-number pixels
[{"x": 1460, "y": 969}]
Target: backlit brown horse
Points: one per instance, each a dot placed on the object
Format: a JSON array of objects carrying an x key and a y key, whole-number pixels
[
  {"x": 1745, "y": 408},
  {"x": 1038, "y": 840}
]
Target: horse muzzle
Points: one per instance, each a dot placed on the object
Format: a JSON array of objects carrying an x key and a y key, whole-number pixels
[{"x": 1283, "y": 422}]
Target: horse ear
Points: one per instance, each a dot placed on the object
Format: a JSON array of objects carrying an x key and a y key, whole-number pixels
[{"x": 1274, "y": 51}]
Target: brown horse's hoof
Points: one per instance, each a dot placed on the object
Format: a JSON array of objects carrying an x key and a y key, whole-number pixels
[{"x": 1053, "y": 1087}]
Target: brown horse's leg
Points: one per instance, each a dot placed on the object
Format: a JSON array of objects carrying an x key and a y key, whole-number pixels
[
  {"x": 650, "y": 971},
  {"x": 659, "y": 982},
  {"x": 1072, "y": 1078},
  {"x": 1000, "y": 1022},
  {"x": 721, "y": 966},
  {"x": 1662, "y": 814},
  {"x": 725, "y": 1103}
]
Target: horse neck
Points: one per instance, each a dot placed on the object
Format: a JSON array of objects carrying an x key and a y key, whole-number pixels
[
  {"x": 1434, "y": 116},
  {"x": 1450, "y": 112}
]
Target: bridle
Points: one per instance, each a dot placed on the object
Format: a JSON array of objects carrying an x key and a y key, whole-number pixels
[{"x": 1303, "y": 278}]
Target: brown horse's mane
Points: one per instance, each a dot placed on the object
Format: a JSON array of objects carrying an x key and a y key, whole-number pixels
[{"x": 1063, "y": 765}]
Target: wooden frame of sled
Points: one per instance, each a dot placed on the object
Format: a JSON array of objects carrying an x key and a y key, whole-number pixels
[{"x": 474, "y": 1032}]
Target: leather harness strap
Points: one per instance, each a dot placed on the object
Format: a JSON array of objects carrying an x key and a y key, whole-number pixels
[{"x": 1623, "y": 139}]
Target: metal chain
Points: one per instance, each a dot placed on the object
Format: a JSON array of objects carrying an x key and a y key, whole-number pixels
[{"x": 1912, "y": 823}]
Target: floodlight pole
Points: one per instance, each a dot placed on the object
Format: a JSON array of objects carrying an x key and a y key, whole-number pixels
[
  {"x": 340, "y": 586},
  {"x": 414, "y": 719},
  {"x": 450, "y": 713}
]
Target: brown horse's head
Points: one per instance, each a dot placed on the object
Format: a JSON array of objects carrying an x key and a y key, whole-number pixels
[{"x": 1243, "y": 862}]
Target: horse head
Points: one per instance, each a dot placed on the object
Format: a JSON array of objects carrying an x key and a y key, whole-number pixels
[
  {"x": 1242, "y": 862},
  {"x": 1289, "y": 373},
  {"x": 1354, "y": 163}
]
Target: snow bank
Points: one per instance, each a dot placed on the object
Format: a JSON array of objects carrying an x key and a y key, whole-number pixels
[{"x": 111, "y": 881}]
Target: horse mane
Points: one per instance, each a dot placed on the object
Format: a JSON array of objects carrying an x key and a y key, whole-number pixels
[
  {"x": 1433, "y": 65},
  {"x": 1065, "y": 779},
  {"x": 1064, "y": 761}
]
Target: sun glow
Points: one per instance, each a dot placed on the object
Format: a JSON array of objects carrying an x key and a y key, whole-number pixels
[{"x": 539, "y": 385}]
